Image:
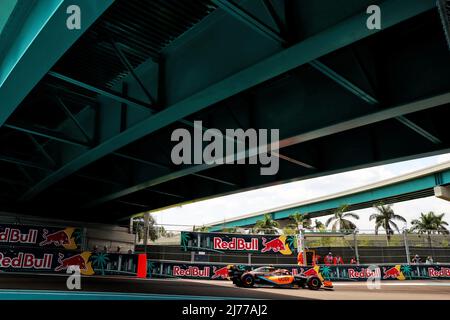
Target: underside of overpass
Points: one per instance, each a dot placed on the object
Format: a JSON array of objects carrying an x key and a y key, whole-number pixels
[{"x": 86, "y": 116}]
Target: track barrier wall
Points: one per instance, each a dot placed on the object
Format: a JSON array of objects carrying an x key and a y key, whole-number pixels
[
  {"x": 42, "y": 249},
  {"x": 218, "y": 271}
]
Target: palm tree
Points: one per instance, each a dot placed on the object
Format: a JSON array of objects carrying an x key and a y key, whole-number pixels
[
  {"x": 267, "y": 225},
  {"x": 299, "y": 219},
  {"x": 325, "y": 271},
  {"x": 201, "y": 229},
  {"x": 289, "y": 231},
  {"x": 185, "y": 237},
  {"x": 230, "y": 230},
  {"x": 384, "y": 219},
  {"x": 339, "y": 219},
  {"x": 430, "y": 223},
  {"x": 318, "y": 225},
  {"x": 100, "y": 261},
  {"x": 151, "y": 266},
  {"x": 291, "y": 242},
  {"x": 78, "y": 236},
  {"x": 139, "y": 228},
  {"x": 407, "y": 270}
]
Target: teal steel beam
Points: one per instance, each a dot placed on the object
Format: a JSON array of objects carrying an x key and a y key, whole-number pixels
[
  {"x": 342, "y": 34},
  {"x": 25, "y": 173},
  {"x": 23, "y": 163},
  {"x": 245, "y": 17},
  {"x": 275, "y": 17},
  {"x": 378, "y": 116},
  {"x": 413, "y": 126},
  {"x": 128, "y": 66},
  {"x": 368, "y": 196},
  {"x": 333, "y": 75},
  {"x": 42, "y": 150},
  {"x": 115, "y": 96},
  {"x": 39, "y": 43},
  {"x": 444, "y": 12},
  {"x": 69, "y": 141},
  {"x": 7, "y": 9},
  {"x": 300, "y": 138},
  {"x": 264, "y": 30},
  {"x": 51, "y": 136},
  {"x": 46, "y": 134},
  {"x": 106, "y": 93},
  {"x": 14, "y": 182},
  {"x": 75, "y": 121},
  {"x": 370, "y": 99}
]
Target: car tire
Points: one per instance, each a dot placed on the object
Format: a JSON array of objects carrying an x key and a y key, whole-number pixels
[
  {"x": 237, "y": 282},
  {"x": 314, "y": 283},
  {"x": 247, "y": 280}
]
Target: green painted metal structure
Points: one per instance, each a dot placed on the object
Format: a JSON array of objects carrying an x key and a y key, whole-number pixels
[
  {"x": 86, "y": 115},
  {"x": 409, "y": 189}
]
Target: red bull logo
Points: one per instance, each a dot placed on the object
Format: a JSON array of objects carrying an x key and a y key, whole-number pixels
[
  {"x": 238, "y": 244},
  {"x": 13, "y": 235},
  {"x": 274, "y": 245},
  {"x": 81, "y": 260},
  {"x": 314, "y": 271},
  {"x": 443, "y": 272},
  {"x": 310, "y": 272},
  {"x": 364, "y": 273},
  {"x": 58, "y": 238},
  {"x": 76, "y": 260},
  {"x": 191, "y": 272},
  {"x": 220, "y": 273},
  {"x": 26, "y": 261},
  {"x": 61, "y": 238},
  {"x": 392, "y": 273}
]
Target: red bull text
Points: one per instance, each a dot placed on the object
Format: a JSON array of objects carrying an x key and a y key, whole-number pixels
[
  {"x": 26, "y": 261},
  {"x": 238, "y": 244},
  {"x": 364, "y": 273},
  {"x": 11, "y": 235},
  {"x": 191, "y": 272},
  {"x": 444, "y": 272}
]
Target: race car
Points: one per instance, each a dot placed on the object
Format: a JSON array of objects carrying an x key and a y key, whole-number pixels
[{"x": 270, "y": 276}]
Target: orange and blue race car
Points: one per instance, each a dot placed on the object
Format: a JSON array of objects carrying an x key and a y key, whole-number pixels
[{"x": 270, "y": 276}]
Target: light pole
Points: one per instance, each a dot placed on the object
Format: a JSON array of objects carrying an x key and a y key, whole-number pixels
[
  {"x": 355, "y": 240},
  {"x": 146, "y": 221}
]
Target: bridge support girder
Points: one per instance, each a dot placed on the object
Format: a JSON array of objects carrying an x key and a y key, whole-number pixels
[{"x": 442, "y": 192}]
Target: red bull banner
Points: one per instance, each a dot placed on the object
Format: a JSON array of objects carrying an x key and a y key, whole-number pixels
[
  {"x": 67, "y": 238},
  {"x": 335, "y": 273},
  {"x": 229, "y": 242},
  {"x": 51, "y": 261}
]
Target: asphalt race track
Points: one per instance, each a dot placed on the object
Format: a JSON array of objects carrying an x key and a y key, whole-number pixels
[
  {"x": 112, "y": 287},
  {"x": 389, "y": 290},
  {"x": 116, "y": 284}
]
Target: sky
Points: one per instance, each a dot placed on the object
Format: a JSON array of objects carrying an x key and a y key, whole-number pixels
[{"x": 238, "y": 204}]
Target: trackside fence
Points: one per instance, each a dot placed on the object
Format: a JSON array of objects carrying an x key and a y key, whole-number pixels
[{"x": 364, "y": 246}]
